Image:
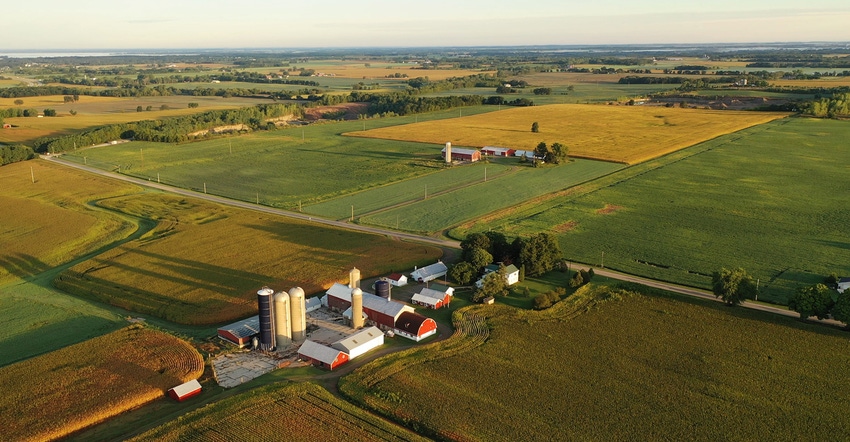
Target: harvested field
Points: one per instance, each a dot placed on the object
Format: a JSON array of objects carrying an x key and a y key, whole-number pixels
[
  {"x": 203, "y": 263},
  {"x": 291, "y": 412},
  {"x": 608, "y": 364},
  {"x": 51, "y": 396},
  {"x": 624, "y": 134}
]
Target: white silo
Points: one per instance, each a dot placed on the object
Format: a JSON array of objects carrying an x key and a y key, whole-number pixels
[
  {"x": 298, "y": 307},
  {"x": 356, "y": 309},
  {"x": 354, "y": 278},
  {"x": 448, "y": 152},
  {"x": 282, "y": 320}
]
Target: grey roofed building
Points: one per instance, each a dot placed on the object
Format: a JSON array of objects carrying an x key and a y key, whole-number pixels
[{"x": 319, "y": 352}]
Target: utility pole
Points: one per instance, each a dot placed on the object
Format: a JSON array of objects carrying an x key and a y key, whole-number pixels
[
  {"x": 396, "y": 222},
  {"x": 142, "y": 155},
  {"x": 758, "y": 280},
  {"x": 485, "y": 174},
  {"x": 426, "y": 192},
  {"x": 299, "y": 205},
  {"x": 302, "y": 134},
  {"x": 603, "y": 261},
  {"x": 352, "y": 213},
  {"x": 205, "y": 187},
  {"x": 230, "y": 143},
  {"x": 258, "y": 198},
  {"x": 32, "y": 175},
  {"x": 157, "y": 177},
  {"x": 85, "y": 160}
]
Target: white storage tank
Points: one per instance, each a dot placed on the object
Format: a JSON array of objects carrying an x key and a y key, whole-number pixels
[
  {"x": 298, "y": 307},
  {"x": 282, "y": 320},
  {"x": 357, "y": 309}
]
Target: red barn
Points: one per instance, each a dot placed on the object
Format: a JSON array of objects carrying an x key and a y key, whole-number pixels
[
  {"x": 497, "y": 151},
  {"x": 322, "y": 355},
  {"x": 240, "y": 333},
  {"x": 185, "y": 391},
  {"x": 459, "y": 154},
  {"x": 415, "y": 326}
]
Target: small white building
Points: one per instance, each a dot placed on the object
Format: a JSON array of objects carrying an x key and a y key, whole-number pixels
[
  {"x": 843, "y": 284},
  {"x": 360, "y": 342},
  {"x": 313, "y": 304},
  {"x": 397, "y": 279},
  {"x": 429, "y": 273}
]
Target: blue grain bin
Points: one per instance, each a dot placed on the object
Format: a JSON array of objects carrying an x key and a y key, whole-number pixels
[
  {"x": 382, "y": 289},
  {"x": 264, "y": 302}
]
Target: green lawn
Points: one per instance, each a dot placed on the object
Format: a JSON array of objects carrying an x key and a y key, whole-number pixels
[{"x": 770, "y": 199}]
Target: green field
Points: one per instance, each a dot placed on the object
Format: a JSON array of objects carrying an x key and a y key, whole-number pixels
[
  {"x": 448, "y": 209},
  {"x": 291, "y": 412},
  {"x": 280, "y": 168},
  {"x": 770, "y": 199},
  {"x": 634, "y": 367}
]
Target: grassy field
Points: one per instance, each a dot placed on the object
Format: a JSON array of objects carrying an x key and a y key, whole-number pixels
[
  {"x": 53, "y": 395},
  {"x": 48, "y": 222},
  {"x": 292, "y": 412},
  {"x": 204, "y": 263},
  {"x": 626, "y": 134},
  {"x": 632, "y": 367},
  {"x": 280, "y": 167},
  {"x": 442, "y": 211},
  {"x": 768, "y": 199},
  {"x": 98, "y": 111}
]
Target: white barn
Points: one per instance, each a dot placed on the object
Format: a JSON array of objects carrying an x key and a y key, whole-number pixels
[
  {"x": 360, "y": 342},
  {"x": 429, "y": 273}
]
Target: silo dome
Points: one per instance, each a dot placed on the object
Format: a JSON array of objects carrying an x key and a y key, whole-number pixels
[{"x": 296, "y": 291}]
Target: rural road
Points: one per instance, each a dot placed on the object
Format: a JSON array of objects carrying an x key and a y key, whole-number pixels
[{"x": 688, "y": 291}]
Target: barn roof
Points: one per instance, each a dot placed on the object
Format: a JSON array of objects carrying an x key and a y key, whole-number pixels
[
  {"x": 319, "y": 352},
  {"x": 498, "y": 149},
  {"x": 396, "y": 276},
  {"x": 410, "y": 322},
  {"x": 430, "y": 294},
  {"x": 461, "y": 151},
  {"x": 437, "y": 268},
  {"x": 187, "y": 387},
  {"x": 244, "y": 328},
  {"x": 443, "y": 288},
  {"x": 313, "y": 304},
  {"x": 371, "y": 302},
  {"x": 362, "y": 337}
]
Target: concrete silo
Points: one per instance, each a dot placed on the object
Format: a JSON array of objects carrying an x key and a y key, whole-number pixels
[
  {"x": 354, "y": 278},
  {"x": 282, "y": 320},
  {"x": 448, "y": 152},
  {"x": 356, "y": 308},
  {"x": 298, "y": 307},
  {"x": 267, "y": 334}
]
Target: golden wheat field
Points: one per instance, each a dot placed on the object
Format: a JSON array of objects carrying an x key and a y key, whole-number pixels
[
  {"x": 47, "y": 222},
  {"x": 204, "y": 263},
  {"x": 623, "y": 134},
  {"x": 53, "y": 395}
]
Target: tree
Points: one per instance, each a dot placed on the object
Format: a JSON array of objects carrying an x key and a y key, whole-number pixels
[
  {"x": 72, "y": 112},
  {"x": 733, "y": 286},
  {"x": 814, "y": 300},
  {"x": 19, "y": 102},
  {"x": 463, "y": 273},
  {"x": 577, "y": 280},
  {"x": 474, "y": 241},
  {"x": 193, "y": 105},
  {"x": 68, "y": 99},
  {"x": 480, "y": 258},
  {"x": 535, "y": 127},
  {"x": 558, "y": 154},
  {"x": 539, "y": 253},
  {"x": 50, "y": 112},
  {"x": 841, "y": 310},
  {"x": 541, "y": 151},
  {"x": 164, "y": 107},
  {"x": 499, "y": 247},
  {"x": 494, "y": 284},
  {"x": 138, "y": 108},
  {"x": 30, "y": 112}
]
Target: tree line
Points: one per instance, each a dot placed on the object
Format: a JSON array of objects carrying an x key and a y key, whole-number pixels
[
  {"x": 170, "y": 130},
  {"x": 14, "y": 153}
]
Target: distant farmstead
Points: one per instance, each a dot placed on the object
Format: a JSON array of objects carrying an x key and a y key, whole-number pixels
[
  {"x": 460, "y": 154},
  {"x": 498, "y": 151}
]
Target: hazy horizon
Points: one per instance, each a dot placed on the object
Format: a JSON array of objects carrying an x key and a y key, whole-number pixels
[{"x": 159, "y": 25}]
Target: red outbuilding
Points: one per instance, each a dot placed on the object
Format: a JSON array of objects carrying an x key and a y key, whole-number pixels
[
  {"x": 460, "y": 154},
  {"x": 322, "y": 355},
  {"x": 185, "y": 391}
]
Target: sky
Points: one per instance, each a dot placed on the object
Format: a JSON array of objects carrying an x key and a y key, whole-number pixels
[{"x": 178, "y": 24}]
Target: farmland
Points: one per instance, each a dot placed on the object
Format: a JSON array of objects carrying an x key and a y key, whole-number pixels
[
  {"x": 633, "y": 366},
  {"x": 626, "y": 134},
  {"x": 53, "y": 395},
  {"x": 292, "y": 412},
  {"x": 203, "y": 263},
  {"x": 48, "y": 222},
  {"x": 744, "y": 200},
  {"x": 98, "y": 111}
]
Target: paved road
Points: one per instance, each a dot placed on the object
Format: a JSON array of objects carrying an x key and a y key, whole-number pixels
[{"x": 251, "y": 206}]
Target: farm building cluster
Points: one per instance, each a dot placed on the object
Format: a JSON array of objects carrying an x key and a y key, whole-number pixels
[
  {"x": 281, "y": 324},
  {"x": 451, "y": 154}
]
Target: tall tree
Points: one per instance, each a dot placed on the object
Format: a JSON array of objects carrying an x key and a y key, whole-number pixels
[
  {"x": 535, "y": 127},
  {"x": 479, "y": 258},
  {"x": 463, "y": 273},
  {"x": 539, "y": 253},
  {"x": 541, "y": 151},
  {"x": 474, "y": 241},
  {"x": 733, "y": 286},
  {"x": 841, "y": 311}
]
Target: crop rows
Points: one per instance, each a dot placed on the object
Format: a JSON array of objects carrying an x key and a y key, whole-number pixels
[{"x": 302, "y": 412}]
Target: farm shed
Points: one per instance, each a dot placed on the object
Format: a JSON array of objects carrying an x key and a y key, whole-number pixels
[
  {"x": 460, "y": 154},
  {"x": 431, "y": 298},
  {"x": 430, "y": 272},
  {"x": 498, "y": 151},
  {"x": 185, "y": 390},
  {"x": 322, "y": 355},
  {"x": 379, "y": 310},
  {"x": 240, "y": 333},
  {"x": 360, "y": 342},
  {"x": 843, "y": 284},
  {"x": 415, "y": 326},
  {"x": 313, "y": 304},
  {"x": 397, "y": 279}
]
